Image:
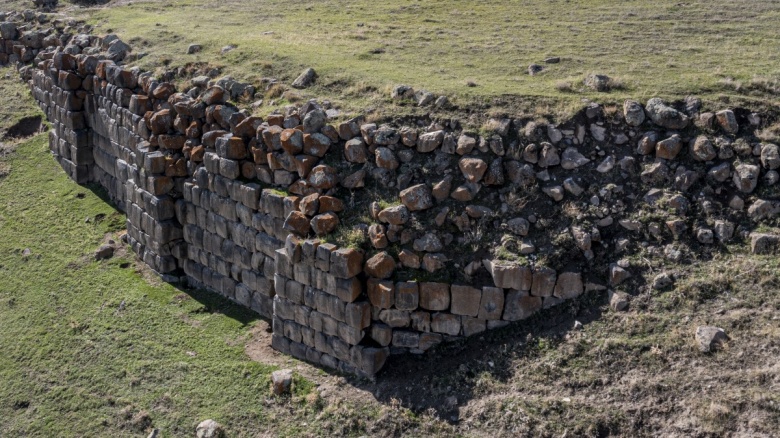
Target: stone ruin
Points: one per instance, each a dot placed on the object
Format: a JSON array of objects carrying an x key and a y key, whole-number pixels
[{"x": 360, "y": 240}]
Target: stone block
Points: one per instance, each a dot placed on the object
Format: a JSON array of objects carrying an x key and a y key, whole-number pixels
[
  {"x": 543, "y": 282},
  {"x": 434, "y": 296},
  {"x": 382, "y": 334},
  {"x": 348, "y": 289},
  {"x": 292, "y": 331},
  {"x": 323, "y": 254},
  {"x": 569, "y": 285},
  {"x": 492, "y": 304},
  {"x": 395, "y": 318},
  {"x": 350, "y": 335},
  {"x": 761, "y": 243},
  {"x": 465, "y": 300},
  {"x": 346, "y": 262},
  {"x": 407, "y": 295},
  {"x": 405, "y": 339},
  {"x": 358, "y": 315},
  {"x": 472, "y": 326},
  {"x": 420, "y": 321},
  {"x": 445, "y": 323},
  {"x": 369, "y": 360},
  {"x": 429, "y": 340},
  {"x": 509, "y": 276},
  {"x": 520, "y": 305},
  {"x": 381, "y": 293}
]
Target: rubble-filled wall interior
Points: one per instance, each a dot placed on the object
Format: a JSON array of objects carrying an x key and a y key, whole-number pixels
[{"x": 360, "y": 240}]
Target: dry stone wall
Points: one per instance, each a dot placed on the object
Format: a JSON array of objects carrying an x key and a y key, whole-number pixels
[{"x": 449, "y": 232}]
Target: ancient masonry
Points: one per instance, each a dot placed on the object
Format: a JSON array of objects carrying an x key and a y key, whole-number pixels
[{"x": 474, "y": 229}]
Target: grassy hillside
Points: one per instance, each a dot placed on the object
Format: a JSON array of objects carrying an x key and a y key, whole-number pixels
[{"x": 659, "y": 47}]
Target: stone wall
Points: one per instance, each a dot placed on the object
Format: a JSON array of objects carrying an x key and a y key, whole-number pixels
[{"x": 454, "y": 232}]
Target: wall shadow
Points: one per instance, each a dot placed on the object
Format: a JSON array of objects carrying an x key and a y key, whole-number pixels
[{"x": 435, "y": 382}]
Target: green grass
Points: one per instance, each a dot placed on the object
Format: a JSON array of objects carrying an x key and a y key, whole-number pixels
[
  {"x": 19, "y": 103},
  {"x": 362, "y": 48}
]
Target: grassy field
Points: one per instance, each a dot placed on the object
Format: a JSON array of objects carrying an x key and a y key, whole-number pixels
[{"x": 360, "y": 48}]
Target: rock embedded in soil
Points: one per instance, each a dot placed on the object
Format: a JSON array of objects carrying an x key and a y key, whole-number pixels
[
  {"x": 709, "y": 338},
  {"x": 429, "y": 141},
  {"x": 402, "y": 92},
  {"x": 105, "y": 252},
  {"x": 662, "y": 281},
  {"x": 727, "y": 121},
  {"x": 535, "y": 69},
  {"x": 305, "y": 79},
  {"x": 473, "y": 169},
  {"x": 618, "y": 301},
  {"x": 209, "y": 429},
  {"x": 770, "y": 156},
  {"x": 701, "y": 149},
  {"x": 598, "y": 82},
  {"x": 281, "y": 381},
  {"x": 763, "y": 243},
  {"x": 668, "y": 148},
  {"x": 572, "y": 159}
]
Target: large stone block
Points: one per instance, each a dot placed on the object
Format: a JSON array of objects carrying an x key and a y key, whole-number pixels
[
  {"x": 472, "y": 326},
  {"x": 761, "y": 243},
  {"x": 435, "y": 296},
  {"x": 405, "y": 339},
  {"x": 509, "y": 275},
  {"x": 381, "y": 293},
  {"x": 368, "y": 359},
  {"x": 492, "y": 304},
  {"x": 346, "y": 262},
  {"x": 465, "y": 300},
  {"x": 395, "y": 318},
  {"x": 445, "y": 323},
  {"x": 543, "y": 282},
  {"x": 358, "y": 315},
  {"x": 520, "y": 305},
  {"x": 382, "y": 334},
  {"x": 569, "y": 285},
  {"x": 407, "y": 295}
]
